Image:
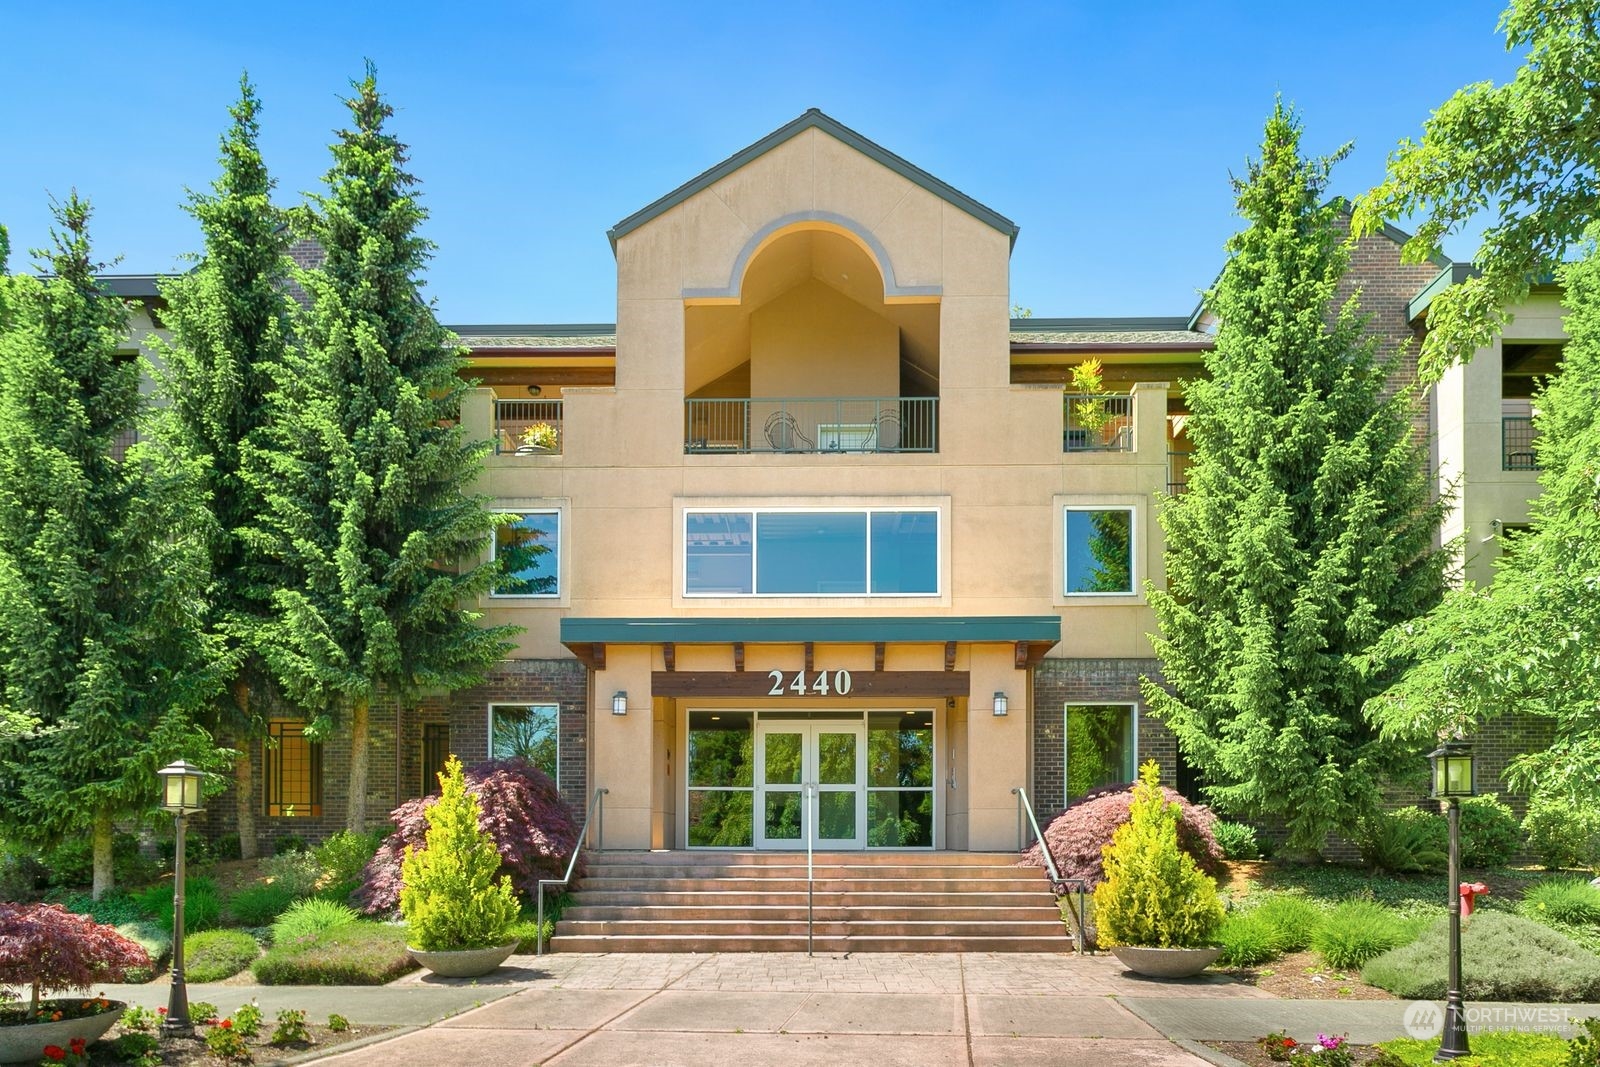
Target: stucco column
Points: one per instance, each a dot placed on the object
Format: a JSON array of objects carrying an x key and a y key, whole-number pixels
[
  {"x": 997, "y": 749},
  {"x": 1150, "y": 420},
  {"x": 622, "y": 746},
  {"x": 477, "y": 414}
]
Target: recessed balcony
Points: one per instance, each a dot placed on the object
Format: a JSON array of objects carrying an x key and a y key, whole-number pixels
[
  {"x": 527, "y": 427},
  {"x": 1517, "y": 434},
  {"x": 825, "y": 425},
  {"x": 1098, "y": 423}
]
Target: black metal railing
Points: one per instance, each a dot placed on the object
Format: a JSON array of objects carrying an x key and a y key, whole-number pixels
[
  {"x": 1097, "y": 423},
  {"x": 527, "y": 427},
  {"x": 812, "y": 424}
]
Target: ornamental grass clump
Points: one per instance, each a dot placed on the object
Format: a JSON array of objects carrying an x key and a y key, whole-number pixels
[
  {"x": 48, "y": 949},
  {"x": 1154, "y": 896},
  {"x": 451, "y": 898}
]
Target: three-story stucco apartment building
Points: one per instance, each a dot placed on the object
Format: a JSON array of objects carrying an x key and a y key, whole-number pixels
[{"x": 815, "y": 509}]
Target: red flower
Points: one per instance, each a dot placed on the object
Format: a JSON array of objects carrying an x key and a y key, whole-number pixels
[
  {"x": 163, "y": 1011},
  {"x": 227, "y": 1024},
  {"x": 55, "y": 1052},
  {"x": 77, "y": 1046}
]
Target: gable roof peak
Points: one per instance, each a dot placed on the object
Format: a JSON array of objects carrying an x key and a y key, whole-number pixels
[{"x": 815, "y": 118}]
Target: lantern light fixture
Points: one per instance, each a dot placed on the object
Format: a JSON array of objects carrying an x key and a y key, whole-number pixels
[
  {"x": 1001, "y": 704},
  {"x": 619, "y": 702}
]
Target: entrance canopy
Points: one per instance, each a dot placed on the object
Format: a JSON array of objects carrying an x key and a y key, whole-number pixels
[{"x": 1033, "y": 635}]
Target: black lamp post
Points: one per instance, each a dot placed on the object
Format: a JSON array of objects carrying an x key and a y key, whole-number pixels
[
  {"x": 1453, "y": 779},
  {"x": 180, "y": 794}
]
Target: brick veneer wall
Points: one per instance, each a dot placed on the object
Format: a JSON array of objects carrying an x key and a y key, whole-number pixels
[
  {"x": 392, "y": 779},
  {"x": 1059, "y": 682},
  {"x": 1387, "y": 287}
]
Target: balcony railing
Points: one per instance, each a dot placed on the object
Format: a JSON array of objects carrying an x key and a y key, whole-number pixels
[
  {"x": 791, "y": 424},
  {"x": 1517, "y": 435},
  {"x": 513, "y": 419},
  {"x": 1101, "y": 423}
]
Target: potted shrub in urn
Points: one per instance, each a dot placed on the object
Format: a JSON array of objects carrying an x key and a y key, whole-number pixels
[
  {"x": 49, "y": 949},
  {"x": 1156, "y": 910},
  {"x": 458, "y": 914}
]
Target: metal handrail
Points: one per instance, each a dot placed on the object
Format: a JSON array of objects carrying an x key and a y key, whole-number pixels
[
  {"x": 595, "y": 805},
  {"x": 1058, "y": 885},
  {"x": 809, "y": 789}
]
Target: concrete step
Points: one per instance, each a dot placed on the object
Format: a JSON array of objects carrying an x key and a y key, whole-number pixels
[
  {"x": 784, "y": 927},
  {"x": 821, "y": 871},
  {"x": 743, "y": 884},
  {"x": 775, "y": 858},
  {"x": 703, "y": 943},
  {"x": 873, "y": 898},
  {"x": 797, "y": 913}
]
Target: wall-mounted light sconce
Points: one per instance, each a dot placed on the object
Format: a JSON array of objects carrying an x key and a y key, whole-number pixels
[
  {"x": 619, "y": 703},
  {"x": 534, "y": 390},
  {"x": 1001, "y": 705}
]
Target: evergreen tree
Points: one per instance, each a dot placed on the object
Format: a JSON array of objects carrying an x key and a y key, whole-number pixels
[
  {"x": 230, "y": 325},
  {"x": 1308, "y": 528},
  {"x": 365, "y": 472},
  {"x": 101, "y": 657},
  {"x": 1530, "y": 642}
]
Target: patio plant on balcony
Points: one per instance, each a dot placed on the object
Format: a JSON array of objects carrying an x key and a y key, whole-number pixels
[
  {"x": 1156, "y": 909},
  {"x": 457, "y": 905},
  {"x": 540, "y": 437}
]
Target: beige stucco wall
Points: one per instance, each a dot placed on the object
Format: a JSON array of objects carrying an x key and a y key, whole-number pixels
[
  {"x": 1467, "y": 409},
  {"x": 999, "y": 477},
  {"x": 812, "y": 341}
]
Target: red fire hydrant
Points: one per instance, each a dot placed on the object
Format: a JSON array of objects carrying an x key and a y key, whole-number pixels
[{"x": 1469, "y": 890}]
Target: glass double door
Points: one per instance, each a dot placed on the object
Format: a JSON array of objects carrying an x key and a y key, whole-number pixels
[{"x": 829, "y": 756}]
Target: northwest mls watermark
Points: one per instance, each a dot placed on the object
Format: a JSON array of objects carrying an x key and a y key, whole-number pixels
[{"x": 1425, "y": 1018}]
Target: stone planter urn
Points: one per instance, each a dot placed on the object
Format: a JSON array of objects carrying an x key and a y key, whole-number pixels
[
  {"x": 463, "y": 963},
  {"x": 1166, "y": 962},
  {"x": 25, "y": 1042}
]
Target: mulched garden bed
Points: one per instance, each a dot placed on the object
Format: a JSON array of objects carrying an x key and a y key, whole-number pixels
[
  {"x": 186, "y": 1051},
  {"x": 1304, "y": 976},
  {"x": 1251, "y": 1053}
]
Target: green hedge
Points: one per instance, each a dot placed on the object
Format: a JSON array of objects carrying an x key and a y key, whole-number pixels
[
  {"x": 154, "y": 940},
  {"x": 1504, "y": 957},
  {"x": 214, "y": 955},
  {"x": 362, "y": 953}
]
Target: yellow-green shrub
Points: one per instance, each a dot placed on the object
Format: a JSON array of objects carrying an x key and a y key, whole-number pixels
[
  {"x": 450, "y": 898},
  {"x": 1153, "y": 894}
]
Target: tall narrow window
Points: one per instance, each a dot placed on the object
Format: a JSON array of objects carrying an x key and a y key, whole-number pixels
[
  {"x": 1101, "y": 746},
  {"x": 529, "y": 553},
  {"x": 1099, "y": 550},
  {"x": 293, "y": 771},
  {"x": 435, "y": 753},
  {"x": 525, "y": 731}
]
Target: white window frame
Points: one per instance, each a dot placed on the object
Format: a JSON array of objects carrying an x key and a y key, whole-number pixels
[
  {"x": 754, "y": 511},
  {"x": 1133, "y": 550},
  {"x": 561, "y": 552},
  {"x": 1133, "y": 730},
  {"x": 527, "y": 704}
]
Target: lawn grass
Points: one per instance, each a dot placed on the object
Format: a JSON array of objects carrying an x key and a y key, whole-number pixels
[
  {"x": 362, "y": 953},
  {"x": 212, "y": 955},
  {"x": 1493, "y": 1048}
]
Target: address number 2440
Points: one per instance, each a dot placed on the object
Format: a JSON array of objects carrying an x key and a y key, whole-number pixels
[{"x": 813, "y": 684}]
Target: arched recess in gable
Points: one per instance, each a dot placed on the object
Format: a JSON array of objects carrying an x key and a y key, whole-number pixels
[{"x": 812, "y": 312}]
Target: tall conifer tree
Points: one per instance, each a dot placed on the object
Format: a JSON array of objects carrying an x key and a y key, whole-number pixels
[
  {"x": 365, "y": 471},
  {"x": 102, "y": 659},
  {"x": 230, "y": 324},
  {"x": 1307, "y": 529}
]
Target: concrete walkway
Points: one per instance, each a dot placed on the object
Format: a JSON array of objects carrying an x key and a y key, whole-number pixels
[
  {"x": 747, "y": 1009},
  {"x": 785, "y": 1008}
]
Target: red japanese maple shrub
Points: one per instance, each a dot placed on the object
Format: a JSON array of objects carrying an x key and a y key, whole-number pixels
[
  {"x": 520, "y": 808},
  {"x": 1079, "y": 833},
  {"x": 48, "y": 948}
]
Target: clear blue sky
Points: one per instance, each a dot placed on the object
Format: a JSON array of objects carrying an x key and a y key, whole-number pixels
[{"x": 1106, "y": 130}]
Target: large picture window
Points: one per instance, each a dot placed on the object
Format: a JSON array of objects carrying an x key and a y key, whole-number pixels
[
  {"x": 529, "y": 553},
  {"x": 800, "y": 552},
  {"x": 1101, "y": 746},
  {"x": 526, "y": 731},
  {"x": 292, "y": 770},
  {"x": 1098, "y": 545}
]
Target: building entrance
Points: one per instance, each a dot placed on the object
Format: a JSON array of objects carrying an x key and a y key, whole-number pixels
[
  {"x": 827, "y": 756},
  {"x": 748, "y": 773}
]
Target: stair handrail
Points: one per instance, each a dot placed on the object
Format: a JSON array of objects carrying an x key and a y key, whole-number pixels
[
  {"x": 809, "y": 789},
  {"x": 595, "y": 805},
  {"x": 1058, "y": 885}
]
